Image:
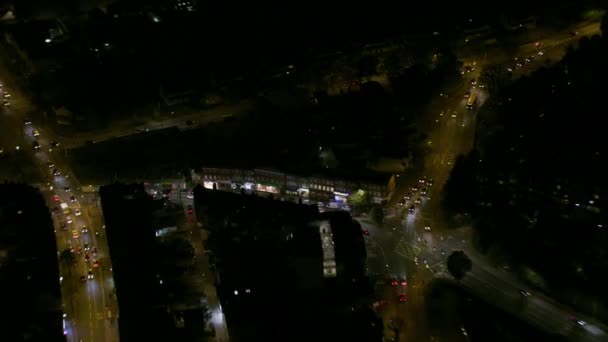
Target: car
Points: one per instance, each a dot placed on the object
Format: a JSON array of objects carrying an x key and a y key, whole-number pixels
[
  {"x": 417, "y": 201},
  {"x": 366, "y": 232},
  {"x": 427, "y": 228},
  {"x": 27, "y": 122},
  {"x": 87, "y": 257},
  {"x": 90, "y": 274},
  {"x": 467, "y": 94},
  {"x": 525, "y": 293},
  {"x": 402, "y": 298},
  {"x": 412, "y": 209},
  {"x": 408, "y": 196},
  {"x": 55, "y": 210},
  {"x": 75, "y": 234},
  {"x": 50, "y": 165},
  {"x": 56, "y": 198},
  {"x": 36, "y": 133},
  {"x": 540, "y": 53},
  {"x": 414, "y": 188},
  {"x": 77, "y": 212},
  {"x": 189, "y": 209},
  {"x": 402, "y": 202},
  {"x": 87, "y": 246},
  {"x": 72, "y": 199},
  {"x": 94, "y": 250},
  {"x": 379, "y": 303},
  {"x": 398, "y": 281},
  {"x": 424, "y": 191},
  {"x": 95, "y": 263},
  {"x": 83, "y": 278},
  {"x": 69, "y": 219},
  {"x": 56, "y": 172},
  {"x": 36, "y": 145},
  {"x": 54, "y": 144},
  {"x": 84, "y": 229},
  {"x": 67, "y": 189}
]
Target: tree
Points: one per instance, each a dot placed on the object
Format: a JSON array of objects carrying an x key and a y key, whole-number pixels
[
  {"x": 447, "y": 70},
  {"x": 495, "y": 77},
  {"x": 359, "y": 201},
  {"x": 367, "y": 65},
  {"x": 604, "y": 26},
  {"x": 459, "y": 264},
  {"x": 459, "y": 192},
  {"x": 377, "y": 214},
  {"x": 67, "y": 257},
  {"x": 394, "y": 63}
]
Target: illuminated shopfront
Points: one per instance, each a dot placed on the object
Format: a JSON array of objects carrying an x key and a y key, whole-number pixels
[
  {"x": 304, "y": 192},
  {"x": 267, "y": 188},
  {"x": 341, "y": 196}
]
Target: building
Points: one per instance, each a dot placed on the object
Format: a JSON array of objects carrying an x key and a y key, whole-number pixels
[
  {"x": 158, "y": 295},
  {"x": 329, "y": 186},
  {"x": 29, "y": 273},
  {"x": 283, "y": 262}
]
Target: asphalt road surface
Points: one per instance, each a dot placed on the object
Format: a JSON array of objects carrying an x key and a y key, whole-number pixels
[
  {"x": 414, "y": 243},
  {"x": 89, "y": 306}
]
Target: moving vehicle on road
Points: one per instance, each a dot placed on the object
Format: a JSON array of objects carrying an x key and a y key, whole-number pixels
[
  {"x": 75, "y": 234},
  {"x": 402, "y": 298},
  {"x": 65, "y": 208},
  {"x": 472, "y": 102}
]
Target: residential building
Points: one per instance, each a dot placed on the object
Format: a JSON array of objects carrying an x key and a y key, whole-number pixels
[
  {"x": 284, "y": 261},
  {"x": 29, "y": 273}
]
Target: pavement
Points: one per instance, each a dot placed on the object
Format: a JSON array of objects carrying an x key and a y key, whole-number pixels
[
  {"x": 178, "y": 119},
  {"x": 183, "y": 197},
  {"x": 408, "y": 251},
  {"x": 414, "y": 244},
  {"x": 90, "y": 307}
]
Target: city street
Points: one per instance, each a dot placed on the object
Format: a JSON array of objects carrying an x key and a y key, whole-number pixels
[
  {"x": 406, "y": 253},
  {"x": 414, "y": 243},
  {"x": 89, "y": 305},
  {"x": 180, "y": 120}
]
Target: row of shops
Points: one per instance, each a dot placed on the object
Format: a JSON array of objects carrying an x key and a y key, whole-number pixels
[{"x": 329, "y": 190}]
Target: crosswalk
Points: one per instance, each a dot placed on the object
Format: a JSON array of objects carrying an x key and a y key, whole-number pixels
[
  {"x": 436, "y": 160},
  {"x": 407, "y": 250}
]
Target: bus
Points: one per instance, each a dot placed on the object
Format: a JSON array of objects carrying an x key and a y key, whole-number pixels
[{"x": 472, "y": 101}]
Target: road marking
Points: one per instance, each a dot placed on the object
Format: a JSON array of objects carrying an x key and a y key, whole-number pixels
[{"x": 407, "y": 250}]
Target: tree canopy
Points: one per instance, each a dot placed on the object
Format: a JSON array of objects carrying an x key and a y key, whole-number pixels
[{"x": 459, "y": 264}]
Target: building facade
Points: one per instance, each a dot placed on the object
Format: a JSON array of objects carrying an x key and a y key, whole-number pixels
[{"x": 318, "y": 187}]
